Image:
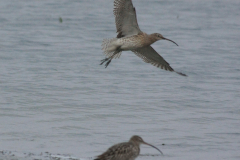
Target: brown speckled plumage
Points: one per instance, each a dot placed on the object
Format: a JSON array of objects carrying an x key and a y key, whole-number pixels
[
  {"x": 130, "y": 37},
  {"x": 124, "y": 151}
]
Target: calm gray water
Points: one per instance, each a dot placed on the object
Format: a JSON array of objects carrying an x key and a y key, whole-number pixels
[{"x": 56, "y": 98}]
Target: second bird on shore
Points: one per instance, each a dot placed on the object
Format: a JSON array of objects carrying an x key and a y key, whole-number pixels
[
  {"x": 125, "y": 151},
  {"x": 130, "y": 37}
]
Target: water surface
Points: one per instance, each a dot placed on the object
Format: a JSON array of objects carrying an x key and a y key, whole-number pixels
[{"x": 56, "y": 98}]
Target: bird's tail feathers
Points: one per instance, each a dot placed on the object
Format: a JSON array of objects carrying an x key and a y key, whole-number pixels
[{"x": 110, "y": 48}]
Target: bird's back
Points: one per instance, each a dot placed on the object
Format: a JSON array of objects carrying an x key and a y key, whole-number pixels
[
  {"x": 121, "y": 151},
  {"x": 136, "y": 41}
]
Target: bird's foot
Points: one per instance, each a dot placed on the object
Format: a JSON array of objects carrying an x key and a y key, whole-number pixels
[
  {"x": 108, "y": 63},
  {"x": 103, "y": 61},
  {"x": 108, "y": 60}
]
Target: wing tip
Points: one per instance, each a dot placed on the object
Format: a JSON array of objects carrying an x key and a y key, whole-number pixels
[{"x": 182, "y": 74}]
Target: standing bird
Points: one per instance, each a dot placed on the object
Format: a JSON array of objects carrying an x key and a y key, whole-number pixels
[
  {"x": 130, "y": 37},
  {"x": 125, "y": 151}
]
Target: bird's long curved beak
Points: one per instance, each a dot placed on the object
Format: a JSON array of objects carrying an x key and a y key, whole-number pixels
[
  {"x": 153, "y": 147},
  {"x": 170, "y": 40}
]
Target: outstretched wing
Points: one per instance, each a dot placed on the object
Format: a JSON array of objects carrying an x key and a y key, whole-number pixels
[
  {"x": 125, "y": 18},
  {"x": 149, "y": 55},
  {"x": 122, "y": 151}
]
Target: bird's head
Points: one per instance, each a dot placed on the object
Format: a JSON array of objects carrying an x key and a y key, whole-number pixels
[
  {"x": 158, "y": 37},
  {"x": 138, "y": 140}
]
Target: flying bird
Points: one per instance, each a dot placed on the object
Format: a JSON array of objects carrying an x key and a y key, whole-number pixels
[{"x": 130, "y": 37}]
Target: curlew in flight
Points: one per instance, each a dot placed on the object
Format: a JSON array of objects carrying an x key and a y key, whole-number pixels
[{"x": 130, "y": 37}]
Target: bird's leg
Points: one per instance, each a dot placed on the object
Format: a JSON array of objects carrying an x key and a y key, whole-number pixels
[
  {"x": 104, "y": 60},
  {"x": 109, "y": 59},
  {"x": 108, "y": 63}
]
